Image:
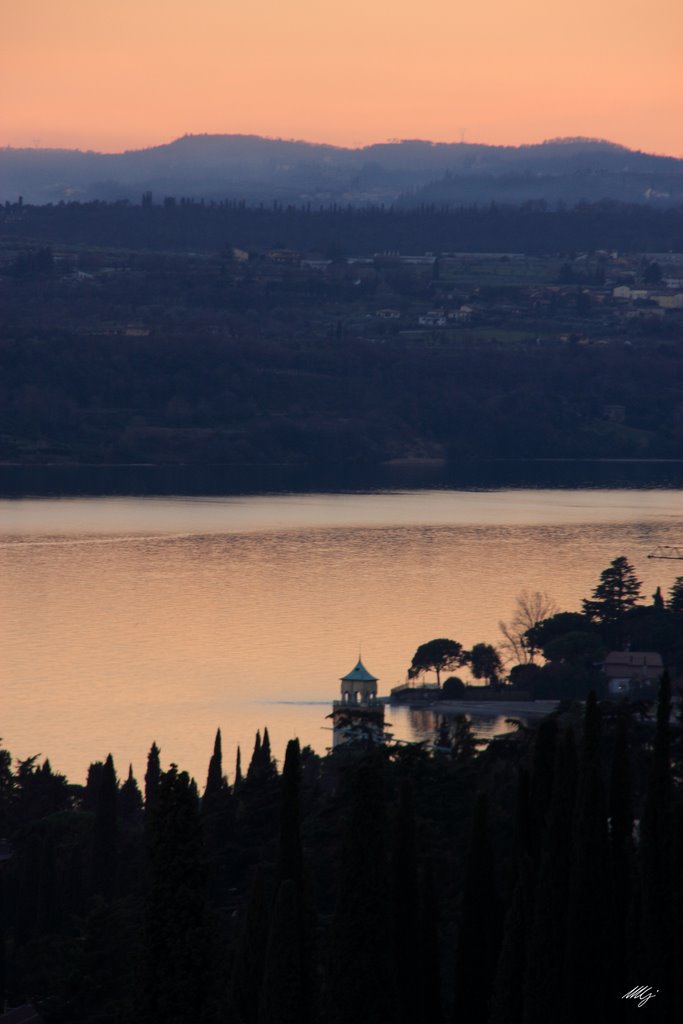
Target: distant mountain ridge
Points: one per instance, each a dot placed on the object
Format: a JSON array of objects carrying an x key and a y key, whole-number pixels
[{"x": 258, "y": 169}]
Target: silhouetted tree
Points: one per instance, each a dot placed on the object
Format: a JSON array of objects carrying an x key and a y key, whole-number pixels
[
  {"x": 542, "y": 984},
  {"x": 675, "y": 602},
  {"x": 289, "y": 860},
  {"x": 479, "y": 931},
  {"x": 519, "y": 635},
  {"x": 238, "y": 771},
  {"x": 152, "y": 779},
  {"x": 656, "y": 853},
  {"x": 429, "y": 949},
  {"x": 283, "y": 998},
  {"x": 617, "y": 592},
  {"x": 176, "y": 955},
  {"x": 215, "y": 784},
  {"x": 105, "y": 835},
  {"x": 485, "y": 663},
  {"x": 361, "y": 946},
  {"x": 250, "y": 952},
  {"x": 254, "y": 770},
  {"x": 590, "y": 938},
  {"x": 436, "y": 656},
  {"x": 620, "y": 806},
  {"x": 405, "y": 904},
  {"x": 130, "y": 798}
]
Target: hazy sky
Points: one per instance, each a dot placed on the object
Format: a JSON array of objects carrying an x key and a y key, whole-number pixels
[{"x": 116, "y": 74}]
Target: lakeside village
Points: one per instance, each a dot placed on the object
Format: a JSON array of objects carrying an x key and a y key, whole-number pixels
[
  {"x": 617, "y": 647},
  {"x": 386, "y": 882}
]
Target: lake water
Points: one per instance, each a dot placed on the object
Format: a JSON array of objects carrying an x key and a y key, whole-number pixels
[{"x": 128, "y": 620}]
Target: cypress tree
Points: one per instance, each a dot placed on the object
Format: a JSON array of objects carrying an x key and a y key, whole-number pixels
[
  {"x": 620, "y": 806},
  {"x": 289, "y": 860},
  {"x": 289, "y": 866},
  {"x": 656, "y": 856},
  {"x": 543, "y": 766},
  {"x": 361, "y": 983},
  {"x": 214, "y": 779},
  {"x": 507, "y": 996},
  {"x": 479, "y": 933},
  {"x": 105, "y": 835},
  {"x": 266, "y": 759},
  {"x": 152, "y": 779},
  {"x": 254, "y": 769},
  {"x": 238, "y": 771},
  {"x": 507, "y": 999},
  {"x": 130, "y": 798},
  {"x": 405, "y": 904},
  {"x": 429, "y": 949},
  {"x": 547, "y": 933},
  {"x": 250, "y": 952},
  {"x": 590, "y": 937},
  {"x": 92, "y": 787},
  {"x": 176, "y": 961},
  {"x": 282, "y": 998}
]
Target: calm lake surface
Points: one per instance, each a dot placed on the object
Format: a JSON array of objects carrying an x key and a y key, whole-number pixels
[{"x": 128, "y": 620}]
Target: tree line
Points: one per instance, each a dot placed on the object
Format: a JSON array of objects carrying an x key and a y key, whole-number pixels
[
  {"x": 572, "y": 644},
  {"x": 406, "y": 883},
  {"x": 337, "y": 230}
]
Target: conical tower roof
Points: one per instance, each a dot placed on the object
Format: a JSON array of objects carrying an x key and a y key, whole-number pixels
[{"x": 359, "y": 674}]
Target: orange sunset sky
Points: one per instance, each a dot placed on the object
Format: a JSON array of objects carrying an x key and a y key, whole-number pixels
[{"x": 121, "y": 74}]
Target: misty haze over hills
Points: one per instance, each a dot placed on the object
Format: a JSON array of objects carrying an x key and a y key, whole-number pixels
[{"x": 256, "y": 169}]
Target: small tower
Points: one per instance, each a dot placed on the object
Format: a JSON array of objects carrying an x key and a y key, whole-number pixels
[{"x": 359, "y": 715}]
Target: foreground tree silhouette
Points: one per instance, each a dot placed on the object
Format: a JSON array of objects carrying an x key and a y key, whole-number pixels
[
  {"x": 479, "y": 932},
  {"x": 282, "y": 992},
  {"x": 620, "y": 806},
  {"x": 361, "y": 982},
  {"x": 250, "y": 952},
  {"x": 405, "y": 904},
  {"x": 152, "y": 779},
  {"x": 656, "y": 854},
  {"x": 289, "y": 863},
  {"x": 105, "y": 836},
  {"x": 548, "y": 927},
  {"x": 590, "y": 939},
  {"x": 176, "y": 949},
  {"x": 215, "y": 783}
]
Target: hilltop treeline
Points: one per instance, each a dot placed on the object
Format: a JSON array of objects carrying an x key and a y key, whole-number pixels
[
  {"x": 393, "y": 884},
  {"x": 183, "y": 224}
]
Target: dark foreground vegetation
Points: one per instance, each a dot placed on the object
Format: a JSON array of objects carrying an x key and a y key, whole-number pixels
[{"x": 537, "y": 880}]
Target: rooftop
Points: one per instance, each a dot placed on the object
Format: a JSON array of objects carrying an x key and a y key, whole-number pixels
[{"x": 359, "y": 674}]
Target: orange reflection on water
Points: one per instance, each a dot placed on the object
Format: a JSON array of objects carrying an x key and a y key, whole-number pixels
[{"x": 127, "y": 621}]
